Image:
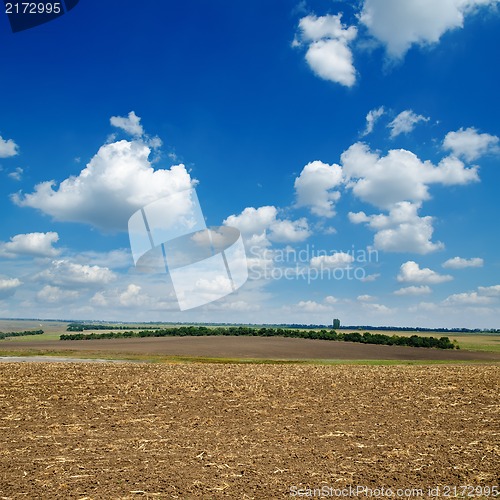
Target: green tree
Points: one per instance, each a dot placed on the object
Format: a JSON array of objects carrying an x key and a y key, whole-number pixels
[{"x": 336, "y": 323}]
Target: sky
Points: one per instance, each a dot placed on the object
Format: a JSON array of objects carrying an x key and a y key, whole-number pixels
[{"x": 355, "y": 146}]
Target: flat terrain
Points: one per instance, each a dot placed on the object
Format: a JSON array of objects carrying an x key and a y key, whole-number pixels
[
  {"x": 100, "y": 431},
  {"x": 278, "y": 348}
]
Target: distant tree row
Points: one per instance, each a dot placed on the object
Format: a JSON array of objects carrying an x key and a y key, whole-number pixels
[
  {"x": 80, "y": 327},
  {"x": 421, "y": 329},
  {"x": 20, "y": 334},
  {"x": 198, "y": 331},
  {"x": 83, "y": 326}
]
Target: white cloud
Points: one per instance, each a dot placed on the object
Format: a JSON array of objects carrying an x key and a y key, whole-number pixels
[
  {"x": 335, "y": 261},
  {"x": 400, "y": 24},
  {"x": 330, "y": 299},
  {"x": 472, "y": 298},
  {"x": 138, "y": 298},
  {"x": 469, "y": 144},
  {"x": 133, "y": 297},
  {"x": 117, "y": 181},
  {"x": 459, "y": 263},
  {"x": 425, "y": 306},
  {"x": 130, "y": 124},
  {"x": 99, "y": 300},
  {"x": 30, "y": 244},
  {"x": 8, "y": 148},
  {"x": 365, "y": 298},
  {"x": 54, "y": 295},
  {"x": 414, "y": 290},
  {"x": 8, "y": 286},
  {"x": 254, "y": 222},
  {"x": 287, "y": 231},
  {"x": 114, "y": 259},
  {"x": 405, "y": 122},
  {"x": 64, "y": 272},
  {"x": 371, "y": 118},
  {"x": 376, "y": 308},
  {"x": 311, "y": 306},
  {"x": 490, "y": 291},
  {"x": 402, "y": 230},
  {"x": 398, "y": 176},
  {"x": 328, "y": 53},
  {"x": 17, "y": 174},
  {"x": 370, "y": 278},
  {"x": 313, "y": 187},
  {"x": 410, "y": 272},
  {"x": 399, "y": 182}
]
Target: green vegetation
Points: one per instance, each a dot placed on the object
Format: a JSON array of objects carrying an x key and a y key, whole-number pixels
[
  {"x": 80, "y": 327},
  {"x": 183, "y": 331},
  {"x": 20, "y": 334}
]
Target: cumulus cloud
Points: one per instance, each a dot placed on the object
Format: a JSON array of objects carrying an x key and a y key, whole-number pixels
[
  {"x": 402, "y": 230},
  {"x": 372, "y": 118},
  {"x": 17, "y": 174},
  {"x": 130, "y": 124},
  {"x": 400, "y": 24},
  {"x": 365, "y": 298},
  {"x": 470, "y": 144},
  {"x": 313, "y": 188},
  {"x": 399, "y": 176},
  {"x": 287, "y": 231},
  {"x": 133, "y": 296},
  {"x": 490, "y": 291},
  {"x": 405, "y": 122},
  {"x": 328, "y": 53},
  {"x": 370, "y": 278},
  {"x": 116, "y": 182},
  {"x": 114, "y": 259},
  {"x": 64, "y": 272},
  {"x": 255, "y": 222},
  {"x": 55, "y": 295},
  {"x": 8, "y": 148},
  {"x": 399, "y": 182},
  {"x": 470, "y": 298},
  {"x": 414, "y": 290},
  {"x": 376, "y": 308},
  {"x": 311, "y": 306},
  {"x": 30, "y": 244},
  {"x": 411, "y": 272},
  {"x": 334, "y": 261},
  {"x": 136, "y": 297},
  {"x": 460, "y": 263},
  {"x": 8, "y": 286}
]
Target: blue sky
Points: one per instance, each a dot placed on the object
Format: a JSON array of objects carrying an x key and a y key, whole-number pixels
[{"x": 354, "y": 144}]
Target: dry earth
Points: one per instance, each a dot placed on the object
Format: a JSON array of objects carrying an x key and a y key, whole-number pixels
[
  {"x": 100, "y": 431},
  {"x": 247, "y": 347}
]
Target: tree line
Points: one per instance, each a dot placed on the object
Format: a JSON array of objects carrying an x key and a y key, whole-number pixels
[
  {"x": 198, "y": 331},
  {"x": 20, "y": 334},
  {"x": 80, "y": 327}
]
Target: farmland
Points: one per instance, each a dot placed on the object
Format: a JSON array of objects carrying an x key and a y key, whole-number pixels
[
  {"x": 244, "y": 417},
  {"x": 191, "y": 430},
  {"x": 474, "y": 347}
]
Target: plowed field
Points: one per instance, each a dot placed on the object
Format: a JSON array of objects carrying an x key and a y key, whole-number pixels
[
  {"x": 245, "y": 347},
  {"x": 100, "y": 431}
]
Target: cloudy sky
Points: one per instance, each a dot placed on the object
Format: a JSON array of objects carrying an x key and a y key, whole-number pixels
[{"x": 355, "y": 145}]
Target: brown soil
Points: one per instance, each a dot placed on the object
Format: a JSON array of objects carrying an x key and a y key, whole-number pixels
[
  {"x": 251, "y": 347},
  {"x": 101, "y": 431}
]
